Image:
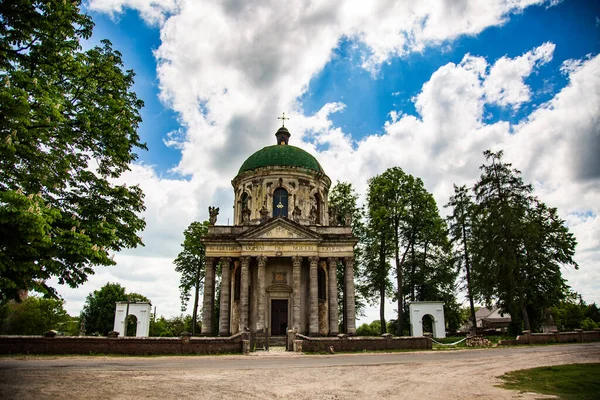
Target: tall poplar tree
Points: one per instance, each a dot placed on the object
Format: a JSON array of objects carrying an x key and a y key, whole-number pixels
[
  {"x": 68, "y": 130},
  {"x": 461, "y": 233},
  {"x": 343, "y": 203},
  {"x": 190, "y": 263}
]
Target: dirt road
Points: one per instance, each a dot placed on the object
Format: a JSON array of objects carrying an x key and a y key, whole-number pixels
[{"x": 421, "y": 375}]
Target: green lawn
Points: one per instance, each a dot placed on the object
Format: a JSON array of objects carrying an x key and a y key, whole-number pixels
[{"x": 572, "y": 381}]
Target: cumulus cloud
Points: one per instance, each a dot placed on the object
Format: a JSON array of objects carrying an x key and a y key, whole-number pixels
[{"x": 228, "y": 68}]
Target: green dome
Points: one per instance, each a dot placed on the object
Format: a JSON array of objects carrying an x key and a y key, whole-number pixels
[{"x": 281, "y": 156}]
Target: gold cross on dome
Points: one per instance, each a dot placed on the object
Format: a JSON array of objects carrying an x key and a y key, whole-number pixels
[{"x": 283, "y": 119}]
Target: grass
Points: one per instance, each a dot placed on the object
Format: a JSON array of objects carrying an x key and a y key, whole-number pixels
[{"x": 571, "y": 381}]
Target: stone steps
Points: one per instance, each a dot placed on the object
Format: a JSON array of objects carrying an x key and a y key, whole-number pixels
[{"x": 277, "y": 341}]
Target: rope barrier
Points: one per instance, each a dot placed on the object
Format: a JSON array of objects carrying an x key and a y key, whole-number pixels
[{"x": 448, "y": 344}]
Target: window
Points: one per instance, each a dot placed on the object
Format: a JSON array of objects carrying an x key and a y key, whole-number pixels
[
  {"x": 280, "y": 203},
  {"x": 244, "y": 201},
  {"x": 318, "y": 208},
  {"x": 244, "y": 210}
]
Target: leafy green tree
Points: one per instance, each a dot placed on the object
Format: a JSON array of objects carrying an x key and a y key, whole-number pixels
[
  {"x": 375, "y": 275},
  {"x": 68, "y": 128},
  {"x": 461, "y": 233},
  {"x": 34, "y": 316},
  {"x": 343, "y": 208},
  {"x": 190, "y": 263},
  {"x": 519, "y": 246},
  {"x": 99, "y": 307},
  {"x": 388, "y": 194},
  {"x": 372, "y": 329},
  {"x": 172, "y": 327},
  {"x": 404, "y": 215}
]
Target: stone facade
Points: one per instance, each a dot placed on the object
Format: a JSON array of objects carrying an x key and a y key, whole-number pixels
[{"x": 279, "y": 259}]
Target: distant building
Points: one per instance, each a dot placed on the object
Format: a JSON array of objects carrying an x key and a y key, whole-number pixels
[{"x": 492, "y": 318}]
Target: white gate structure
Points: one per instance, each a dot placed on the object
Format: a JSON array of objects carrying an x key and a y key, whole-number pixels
[
  {"x": 141, "y": 312},
  {"x": 435, "y": 309}
]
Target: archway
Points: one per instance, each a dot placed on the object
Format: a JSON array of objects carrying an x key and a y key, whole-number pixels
[
  {"x": 138, "y": 312},
  {"x": 433, "y": 310},
  {"x": 428, "y": 325},
  {"x": 132, "y": 325}
]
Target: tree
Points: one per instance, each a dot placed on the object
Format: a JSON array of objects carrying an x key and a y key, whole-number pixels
[
  {"x": 375, "y": 282},
  {"x": 342, "y": 207},
  {"x": 171, "y": 327},
  {"x": 190, "y": 263},
  {"x": 519, "y": 246},
  {"x": 34, "y": 316},
  {"x": 404, "y": 215},
  {"x": 99, "y": 307},
  {"x": 461, "y": 230},
  {"x": 68, "y": 127}
]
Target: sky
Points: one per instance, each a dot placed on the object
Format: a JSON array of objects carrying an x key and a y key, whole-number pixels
[{"x": 423, "y": 85}]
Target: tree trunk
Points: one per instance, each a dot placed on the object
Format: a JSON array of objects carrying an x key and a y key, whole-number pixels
[
  {"x": 468, "y": 271},
  {"x": 413, "y": 267},
  {"x": 196, "y": 295},
  {"x": 399, "y": 264},
  {"x": 382, "y": 308},
  {"x": 526, "y": 324},
  {"x": 382, "y": 267}
]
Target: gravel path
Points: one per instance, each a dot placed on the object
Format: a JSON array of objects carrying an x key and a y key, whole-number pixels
[{"x": 415, "y": 375}]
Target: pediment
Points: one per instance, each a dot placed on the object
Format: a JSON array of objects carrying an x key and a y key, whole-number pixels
[{"x": 280, "y": 229}]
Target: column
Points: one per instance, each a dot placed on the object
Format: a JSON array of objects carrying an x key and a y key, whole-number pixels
[
  {"x": 208, "y": 300},
  {"x": 349, "y": 288},
  {"x": 244, "y": 293},
  {"x": 225, "y": 296},
  {"x": 296, "y": 262},
  {"x": 262, "y": 263},
  {"x": 333, "y": 297},
  {"x": 313, "y": 327}
]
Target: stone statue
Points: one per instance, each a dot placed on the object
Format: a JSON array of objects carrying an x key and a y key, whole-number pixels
[
  {"x": 296, "y": 214},
  {"x": 82, "y": 326},
  {"x": 313, "y": 215},
  {"x": 332, "y": 217},
  {"x": 213, "y": 212},
  {"x": 348, "y": 219},
  {"x": 264, "y": 214},
  {"x": 246, "y": 215}
]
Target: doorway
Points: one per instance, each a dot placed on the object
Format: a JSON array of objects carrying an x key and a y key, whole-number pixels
[{"x": 279, "y": 317}]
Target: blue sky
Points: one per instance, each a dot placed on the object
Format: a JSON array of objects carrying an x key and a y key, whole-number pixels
[
  {"x": 424, "y": 85},
  {"x": 571, "y": 25}
]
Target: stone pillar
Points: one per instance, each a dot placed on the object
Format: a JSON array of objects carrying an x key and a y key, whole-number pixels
[
  {"x": 262, "y": 262},
  {"x": 225, "y": 296},
  {"x": 313, "y": 327},
  {"x": 349, "y": 288},
  {"x": 244, "y": 282},
  {"x": 297, "y": 263},
  {"x": 209, "y": 294},
  {"x": 333, "y": 297}
]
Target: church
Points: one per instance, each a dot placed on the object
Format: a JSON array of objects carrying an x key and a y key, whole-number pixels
[{"x": 281, "y": 258}]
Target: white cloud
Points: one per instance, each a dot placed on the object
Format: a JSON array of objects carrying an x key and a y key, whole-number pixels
[
  {"x": 505, "y": 83},
  {"x": 229, "y": 68}
]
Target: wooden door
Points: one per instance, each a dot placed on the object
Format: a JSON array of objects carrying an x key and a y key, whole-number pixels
[{"x": 279, "y": 317}]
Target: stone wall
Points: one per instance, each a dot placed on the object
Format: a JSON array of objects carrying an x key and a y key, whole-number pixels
[
  {"x": 360, "y": 343},
  {"x": 577, "y": 336},
  {"x": 121, "y": 345}
]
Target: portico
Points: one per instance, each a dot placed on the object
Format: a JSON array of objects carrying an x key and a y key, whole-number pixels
[{"x": 279, "y": 273}]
